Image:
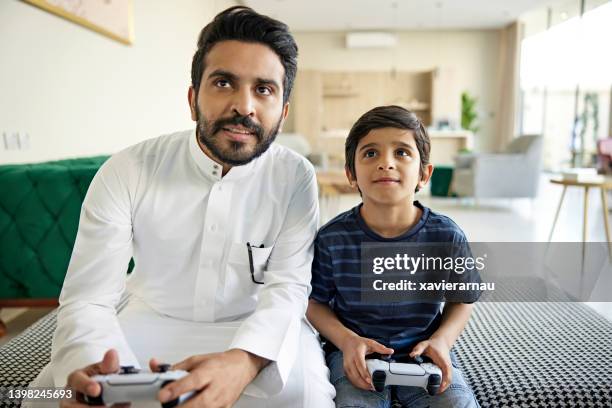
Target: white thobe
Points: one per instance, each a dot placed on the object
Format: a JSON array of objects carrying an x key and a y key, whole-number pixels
[{"x": 165, "y": 203}]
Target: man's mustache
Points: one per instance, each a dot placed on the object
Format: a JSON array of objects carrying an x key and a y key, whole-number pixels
[{"x": 244, "y": 121}]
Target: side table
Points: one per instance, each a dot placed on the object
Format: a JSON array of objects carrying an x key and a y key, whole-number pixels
[{"x": 604, "y": 184}]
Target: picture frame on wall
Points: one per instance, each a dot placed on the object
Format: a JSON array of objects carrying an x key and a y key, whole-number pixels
[{"x": 112, "y": 18}]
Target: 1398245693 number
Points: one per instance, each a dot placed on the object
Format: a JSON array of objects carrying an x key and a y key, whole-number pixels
[{"x": 35, "y": 394}]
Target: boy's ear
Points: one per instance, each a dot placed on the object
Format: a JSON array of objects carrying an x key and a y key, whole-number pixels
[
  {"x": 427, "y": 172},
  {"x": 350, "y": 177}
]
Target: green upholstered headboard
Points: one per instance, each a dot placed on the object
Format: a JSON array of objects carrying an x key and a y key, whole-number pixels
[{"x": 40, "y": 206}]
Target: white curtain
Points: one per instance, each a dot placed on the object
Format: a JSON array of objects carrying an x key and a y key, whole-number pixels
[{"x": 508, "y": 74}]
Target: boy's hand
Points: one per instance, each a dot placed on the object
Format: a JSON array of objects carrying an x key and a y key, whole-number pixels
[
  {"x": 354, "y": 350},
  {"x": 439, "y": 352}
]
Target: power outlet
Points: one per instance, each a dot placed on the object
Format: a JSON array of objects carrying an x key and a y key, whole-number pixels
[
  {"x": 24, "y": 141},
  {"x": 11, "y": 140},
  {"x": 16, "y": 140}
]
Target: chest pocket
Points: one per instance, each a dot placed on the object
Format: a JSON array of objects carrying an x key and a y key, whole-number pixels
[{"x": 238, "y": 280}]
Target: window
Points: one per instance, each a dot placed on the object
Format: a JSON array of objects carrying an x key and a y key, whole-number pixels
[{"x": 566, "y": 79}]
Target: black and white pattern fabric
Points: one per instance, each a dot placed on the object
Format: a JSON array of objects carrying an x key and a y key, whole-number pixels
[
  {"x": 512, "y": 354},
  {"x": 22, "y": 358},
  {"x": 538, "y": 355}
]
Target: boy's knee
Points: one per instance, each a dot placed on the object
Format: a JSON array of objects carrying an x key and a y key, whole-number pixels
[
  {"x": 349, "y": 396},
  {"x": 456, "y": 395}
]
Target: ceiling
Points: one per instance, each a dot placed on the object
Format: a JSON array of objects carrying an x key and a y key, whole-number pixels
[{"x": 341, "y": 15}]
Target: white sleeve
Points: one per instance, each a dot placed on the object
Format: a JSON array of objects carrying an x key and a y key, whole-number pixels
[
  {"x": 87, "y": 324},
  {"x": 273, "y": 330}
]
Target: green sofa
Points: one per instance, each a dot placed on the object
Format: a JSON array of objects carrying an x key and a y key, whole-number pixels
[{"x": 39, "y": 215}]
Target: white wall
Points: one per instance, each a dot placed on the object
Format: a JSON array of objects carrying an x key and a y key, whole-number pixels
[
  {"x": 78, "y": 93},
  {"x": 471, "y": 55}
]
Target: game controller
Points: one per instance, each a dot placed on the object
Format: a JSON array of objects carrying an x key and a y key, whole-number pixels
[
  {"x": 130, "y": 385},
  {"x": 388, "y": 372}
]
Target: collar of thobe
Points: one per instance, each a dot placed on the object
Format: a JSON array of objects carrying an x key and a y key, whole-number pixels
[{"x": 213, "y": 170}]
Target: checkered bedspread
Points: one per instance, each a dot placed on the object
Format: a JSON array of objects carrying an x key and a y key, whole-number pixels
[{"x": 512, "y": 354}]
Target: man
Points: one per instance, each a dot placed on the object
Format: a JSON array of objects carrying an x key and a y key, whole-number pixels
[{"x": 220, "y": 223}]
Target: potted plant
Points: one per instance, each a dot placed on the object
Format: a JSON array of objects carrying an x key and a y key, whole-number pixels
[{"x": 469, "y": 117}]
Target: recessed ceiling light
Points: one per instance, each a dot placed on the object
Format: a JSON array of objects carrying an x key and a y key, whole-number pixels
[{"x": 563, "y": 15}]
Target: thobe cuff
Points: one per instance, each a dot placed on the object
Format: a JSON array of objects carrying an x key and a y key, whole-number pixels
[{"x": 280, "y": 349}]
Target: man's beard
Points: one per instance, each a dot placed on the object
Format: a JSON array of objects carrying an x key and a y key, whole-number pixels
[{"x": 236, "y": 154}]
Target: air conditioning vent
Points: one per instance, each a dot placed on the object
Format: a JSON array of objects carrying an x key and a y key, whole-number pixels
[{"x": 371, "y": 40}]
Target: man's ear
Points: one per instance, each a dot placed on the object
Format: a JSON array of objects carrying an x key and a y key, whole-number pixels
[
  {"x": 427, "y": 172},
  {"x": 191, "y": 96},
  {"x": 284, "y": 116}
]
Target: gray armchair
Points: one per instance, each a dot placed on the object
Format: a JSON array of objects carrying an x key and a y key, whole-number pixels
[{"x": 512, "y": 174}]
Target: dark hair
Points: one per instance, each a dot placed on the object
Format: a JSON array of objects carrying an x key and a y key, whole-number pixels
[
  {"x": 244, "y": 24},
  {"x": 391, "y": 116}
]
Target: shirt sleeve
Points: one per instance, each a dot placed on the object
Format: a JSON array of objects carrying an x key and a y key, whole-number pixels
[
  {"x": 273, "y": 330},
  {"x": 323, "y": 287},
  {"x": 87, "y": 325}
]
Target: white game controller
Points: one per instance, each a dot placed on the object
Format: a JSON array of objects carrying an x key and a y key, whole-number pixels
[
  {"x": 130, "y": 385},
  {"x": 424, "y": 375}
]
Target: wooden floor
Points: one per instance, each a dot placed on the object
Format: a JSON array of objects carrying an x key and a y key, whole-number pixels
[{"x": 19, "y": 319}]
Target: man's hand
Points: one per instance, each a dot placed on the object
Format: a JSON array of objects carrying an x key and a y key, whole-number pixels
[
  {"x": 439, "y": 352},
  {"x": 354, "y": 350},
  {"x": 80, "y": 380},
  {"x": 220, "y": 378}
]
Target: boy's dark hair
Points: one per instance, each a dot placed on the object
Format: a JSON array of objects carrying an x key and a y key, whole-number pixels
[
  {"x": 244, "y": 24},
  {"x": 391, "y": 116}
]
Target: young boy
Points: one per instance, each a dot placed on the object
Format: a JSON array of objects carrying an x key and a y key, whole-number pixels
[{"x": 387, "y": 159}]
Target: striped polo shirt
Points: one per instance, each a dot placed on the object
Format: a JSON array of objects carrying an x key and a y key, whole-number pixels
[{"x": 336, "y": 279}]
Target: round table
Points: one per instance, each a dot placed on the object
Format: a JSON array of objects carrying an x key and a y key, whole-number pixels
[{"x": 604, "y": 184}]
